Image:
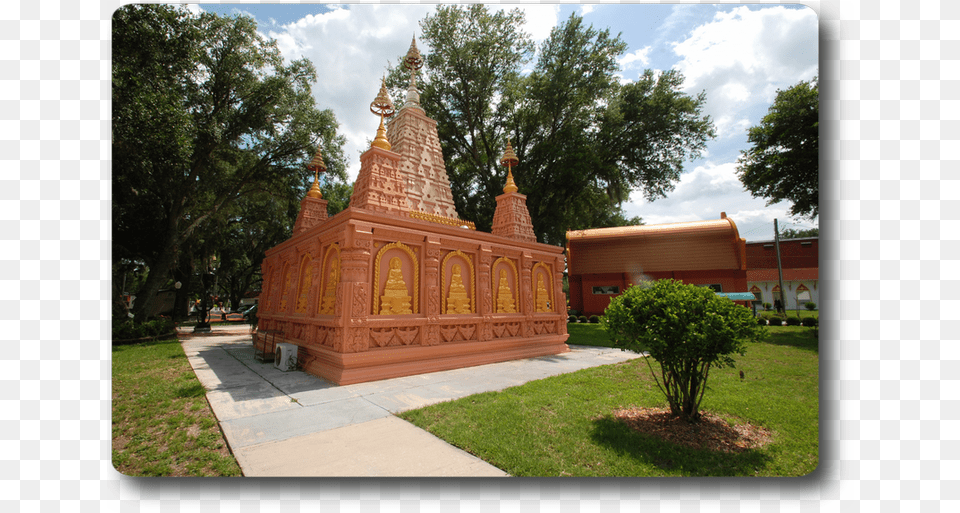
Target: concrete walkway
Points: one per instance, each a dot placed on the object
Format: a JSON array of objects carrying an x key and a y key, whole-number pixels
[{"x": 295, "y": 424}]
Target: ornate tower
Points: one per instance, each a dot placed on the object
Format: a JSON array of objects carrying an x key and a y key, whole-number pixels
[
  {"x": 380, "y": 186},
  {"x": 414, "y": 136},
  {"x": 313, "y": 208},
  {"x": 512, "y": 219}
]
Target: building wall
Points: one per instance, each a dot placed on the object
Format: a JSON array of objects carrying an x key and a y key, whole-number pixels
[{"x": 794, "y": 254}]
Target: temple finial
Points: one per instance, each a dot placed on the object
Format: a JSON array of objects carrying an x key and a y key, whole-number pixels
[
  {"x": 383, "y": 107},
  {"x": 413, "y": 61},
  {"x": 316, "y": 165},
  {"x": 509, "y": 159}
]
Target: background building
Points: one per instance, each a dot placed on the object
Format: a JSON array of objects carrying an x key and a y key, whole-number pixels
[
  {"x": 800, "y": 261},
  {"x": 603, "y": 262}
]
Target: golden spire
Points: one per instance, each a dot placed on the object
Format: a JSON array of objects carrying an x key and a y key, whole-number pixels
[
  {"x": 316, "y": 165},
  {"x": 383, "y": 107},
  {"x": 413, "y": 62},
  {"x": 509, "y": 159}
]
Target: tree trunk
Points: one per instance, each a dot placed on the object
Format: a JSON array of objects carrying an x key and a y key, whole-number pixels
[{"x": 157, "y": 276}]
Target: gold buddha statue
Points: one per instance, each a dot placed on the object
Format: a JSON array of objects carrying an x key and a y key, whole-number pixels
[
  {"x": 543, "y": 297},
  {"x": 330, "y": 294},
  {"x": 395, "y": 299},
  {"x": 505, "y": 295},
  {"x": 458, "y": 302}
]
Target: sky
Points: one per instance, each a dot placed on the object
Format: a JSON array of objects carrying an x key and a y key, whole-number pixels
[{"x": 738, "y": 54}]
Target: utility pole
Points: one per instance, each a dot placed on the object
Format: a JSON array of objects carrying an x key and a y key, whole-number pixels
[{"x": 776, "y": 243}]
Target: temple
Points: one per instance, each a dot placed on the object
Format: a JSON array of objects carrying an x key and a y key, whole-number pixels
[{"x": 397, "y": 284}]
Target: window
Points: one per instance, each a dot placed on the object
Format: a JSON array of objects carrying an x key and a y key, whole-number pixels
[{"x": 607, "y": 289}]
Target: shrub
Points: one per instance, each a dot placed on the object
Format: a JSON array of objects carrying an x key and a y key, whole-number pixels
[
  {"x": 809, "y": 321},
  {"x": 810, "y": 305},
  {"x": 594, "y": 319},
  {"x": 775, "y": 321},
  {"x": 573, "y": 313},
  {"x": 582, "y": 318},
  {"x": 572, "y": 318},
  {"x": 130, "y": 329},
  {"x": 793, "y": 321},
  {"x": 761, "y": 321},
  {"x": 687, "y": 329},
  {"x": 767, "y": 306}
]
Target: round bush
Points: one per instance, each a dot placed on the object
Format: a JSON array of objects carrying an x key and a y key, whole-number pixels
[
  {"x": 761, "y": 321},
  {"x": 793, "y": 321},
  {"x": 572, "y": 318},
  {"x": 809, "y": 321},
  {"x": 582, "y": 318},
  {"x": 810, "y": 306},
  {"x": 776, "y": 321},
  {"x": 594, "y": 319}
]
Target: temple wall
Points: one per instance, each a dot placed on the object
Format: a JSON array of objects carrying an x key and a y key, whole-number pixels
[{"x": 367, "y": 296}]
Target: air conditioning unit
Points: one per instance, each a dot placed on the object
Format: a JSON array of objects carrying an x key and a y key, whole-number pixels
[{"x": 285, "y": 357}]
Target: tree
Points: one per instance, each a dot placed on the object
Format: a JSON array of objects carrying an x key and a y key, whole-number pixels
[
  {"x": 687, "y": 329},
  {"x": 783, "y": 162},
  {"x": 791, "y": 233},
  {"x": 584, "y": 140},
  {"x": 205, "y": 112}
]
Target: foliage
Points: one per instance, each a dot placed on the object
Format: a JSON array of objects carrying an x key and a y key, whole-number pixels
[
  {"x": 594, "y": 319},
  {"x": 131, "y": 329},
  {"x": 205, "y": 114},
  {"x": 584, "y": 140},
  {"x": 762, "y": 321},
  {"x": 791, "y": 233},
  {"x": 775, "y": 321},
  {"x": 767, "y": 306},
  {"x": 572, "y": 318},
  {"x": 809, "y": 321},
  {"x": 793, "y": 321},
  {"x": 687, "y": 329},
  {"x": 810, "y": 305},
  {"x": 582, "y": 318},
  {"x": 783, "y": 162}
]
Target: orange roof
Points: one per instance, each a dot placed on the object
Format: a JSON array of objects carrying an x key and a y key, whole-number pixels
[
  {"x": 696, "y": 245},
  {"x": 808, "y": 273}
]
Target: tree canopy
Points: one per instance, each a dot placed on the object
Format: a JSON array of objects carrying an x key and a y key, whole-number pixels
[
  {"x": 584, "y": 139},
  {"x": 783, "y": 163},
  {"x": 205, "y": 114}
]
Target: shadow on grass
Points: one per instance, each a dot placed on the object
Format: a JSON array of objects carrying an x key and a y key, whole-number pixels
[
  {"x": 799, "y": 337},
  {"x": 673, "y": 459}
]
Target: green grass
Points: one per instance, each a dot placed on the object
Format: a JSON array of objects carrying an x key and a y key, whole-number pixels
[
  {"x": 162, "y": 424},
  {"x": 564, "y": 425},
  {"x": 585, "y": 334}
]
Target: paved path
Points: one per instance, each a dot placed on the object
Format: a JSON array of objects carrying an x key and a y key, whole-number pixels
[{"x": 295, "y": 424}]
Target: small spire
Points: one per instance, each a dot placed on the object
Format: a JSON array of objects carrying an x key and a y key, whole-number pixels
[
  {"x": 316, "y": 165},
  {"x": 383, "y": 107},
  {"x": 509, "y": 159}
]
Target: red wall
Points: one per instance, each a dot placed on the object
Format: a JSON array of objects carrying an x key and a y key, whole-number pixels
[
  {"x": 587, "y": 303},
  {"x": 794, "y": 254}
]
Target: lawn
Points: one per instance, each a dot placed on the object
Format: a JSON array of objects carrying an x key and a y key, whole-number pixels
[
  {"x": 565, "y": 425},
  {"x": 162, "y": 424}
]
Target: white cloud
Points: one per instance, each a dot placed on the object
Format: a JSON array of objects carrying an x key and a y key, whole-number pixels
[
  {"x": 637, "y": 59},
  {"x": 746, "y": 50}
]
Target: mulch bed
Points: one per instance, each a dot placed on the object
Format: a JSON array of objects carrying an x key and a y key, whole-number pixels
[{"x": 712, "y": 432}]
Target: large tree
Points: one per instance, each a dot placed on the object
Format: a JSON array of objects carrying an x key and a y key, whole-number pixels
[
  {"x": 783, "y": 162},
  {"x": 585, "y": 141},
  {"x": 205, "y": 112}
]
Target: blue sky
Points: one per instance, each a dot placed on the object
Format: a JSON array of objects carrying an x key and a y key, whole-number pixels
[{"x": 740, "y": 54}]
